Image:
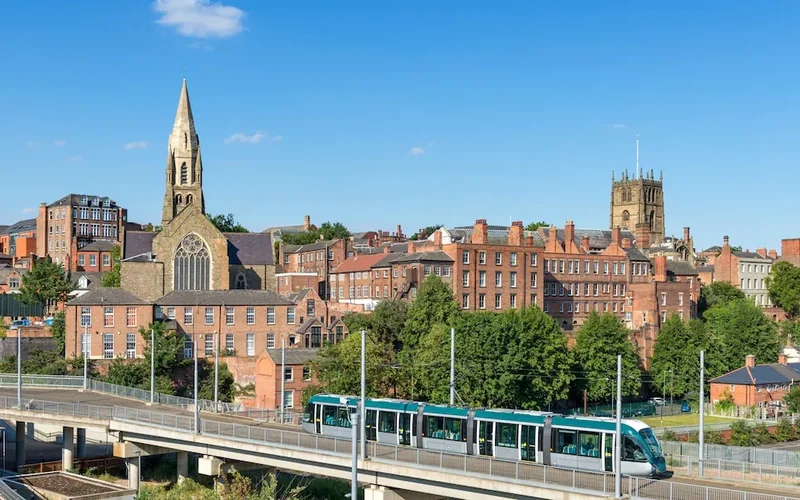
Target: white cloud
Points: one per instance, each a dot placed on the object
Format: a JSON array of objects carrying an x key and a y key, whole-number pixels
[
  {"x": 27, "y": 211},
  {"x": 255, "y": 138},
  {"x": 619, "y": 125},
  {"x": 59, "y": 142},
  {"x": 200, "y": 18},
  {"x": 416, "y": 150},
  {"x": 74, "y": 159},
  {"x": 135, "y": 145},
  {"x": 32, "y": 144}
]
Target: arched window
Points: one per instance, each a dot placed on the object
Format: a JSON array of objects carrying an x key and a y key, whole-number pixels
[
  {"x": 628, "y": 194},
  {"x": 189, "y": 199},
  {"x": 192, "y": 264},
  {"x": 184, "y": 174},
  {"x": 625, "y": 218},
  {"x": 179, "y": 199},
  {"x": 241, "y": 282}
]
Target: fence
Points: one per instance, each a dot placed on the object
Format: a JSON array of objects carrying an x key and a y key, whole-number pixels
[
  {"x": 746, "y": 454},
  {"x": 629, "y": 410},
  {"x": 82, "y": 464},
  {"x": 269, "y": 416},
  {"x": 727, "y": 470},
  {"x": 557, "y": 478}
]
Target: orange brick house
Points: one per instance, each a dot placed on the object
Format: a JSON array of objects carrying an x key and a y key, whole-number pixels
[
  {"x": 297, "y": 374},
  {"x": 756, "y": 385}
]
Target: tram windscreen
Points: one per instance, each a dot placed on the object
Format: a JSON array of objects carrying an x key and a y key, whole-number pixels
[{"x": 652, "y": 443}]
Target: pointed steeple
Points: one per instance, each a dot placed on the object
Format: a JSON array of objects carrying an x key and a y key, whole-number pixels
[{"x": 184, "y": 136}]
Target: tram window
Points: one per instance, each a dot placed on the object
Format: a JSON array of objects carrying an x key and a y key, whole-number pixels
[
  {"x": 589, "y": 444},
  {"x": 329, "y": 415},
  {"x": 344, "y": 417},
  {"x": 631, "y": 452},
  {"x": 507, "y": 435},
  {"x": 565, "y": 442},
  {"x": 434, "y": 427},
  {"x": 387, "y": 421},
  {"x": 453, "y": 428},
  {"x": 308, "y": 413}
]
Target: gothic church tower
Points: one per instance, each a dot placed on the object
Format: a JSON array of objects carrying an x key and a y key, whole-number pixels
[
  {"x": 637, "y": 204},
  {"x": 184, "y": 166}
]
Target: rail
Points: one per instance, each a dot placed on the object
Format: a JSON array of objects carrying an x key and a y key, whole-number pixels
[
  {"x": 269, "y": 416},
  {"x": 493, "y": 468},
  {"x": 749, "y": 454},
  {"x": 728, "y": 470}
]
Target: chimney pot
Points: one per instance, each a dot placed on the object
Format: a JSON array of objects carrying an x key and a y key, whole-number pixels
[
  {"x": 480, "y": 233},
  {"x": 585, "y": 243},
  {"x": 750, "y": 361},
  {"x": 307, "y": 222},
  {"x": 661, "y": 268},
  {"x": 773, "y": 254},
  {"x": 515, "y": 233},
  {"x": 686, "y": 236},
  {"x": 725, "y": 240},
  {"x": 782, "y": 358}
]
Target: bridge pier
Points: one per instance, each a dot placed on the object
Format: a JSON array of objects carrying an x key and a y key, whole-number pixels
[
  {"x": 30, "y": 430},
  {"x": 20, "y": 444},
  {"x": 81, "y": 442},
  {"x": 67, "y": 448},
  {"x": 133, "y": 472},
  {"x": 183, "y": 466}
]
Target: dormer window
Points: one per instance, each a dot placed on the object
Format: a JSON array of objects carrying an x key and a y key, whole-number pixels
[
  {"x": 96, "y": 202},
  {"x": 84, "y": 200},
  {"x": 106, "y": 202}
]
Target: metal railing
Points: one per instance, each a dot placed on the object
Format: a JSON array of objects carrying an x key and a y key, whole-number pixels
[
  {"x": 739, "y": 471},
  {"x": 43, "y": 381},
  {"x": 498, "y": 469},
  {"x": 269, "y": 416},
  {"x": 750, "y": 454}
]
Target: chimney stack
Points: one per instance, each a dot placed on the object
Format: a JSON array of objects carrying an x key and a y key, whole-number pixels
[
  {"x": 616, "y": 235},
  {"x": 782, "y": 359},
  {"x": 750, "y": 361},
  {"x": 306, "y": 222},
  {"x": 585, "y": 243},
  {"x": 686, "y": 236},
  {"x": 773, "y": 254},
  {"x": 762, "y": 252},
  {"x": 626, "y": 242},
  {"x": 480, "y": 233},
  {"x": 437, "y": 239},
  {"x": 569, "y": 233},
  {"x": 725, "y": 243},
  {"x": 642, "y": 235},
  {"x": 515, "y": 233},
  {"x": 399, "y": 231},
  {"x": 412, "y": 248},
  {"x": 661, "y": 268},
  {"x": 388, "y": 248},
  {"x": 529, "y": 240}
]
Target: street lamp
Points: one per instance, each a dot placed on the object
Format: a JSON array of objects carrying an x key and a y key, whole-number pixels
[{"x": 196, "y": 408}]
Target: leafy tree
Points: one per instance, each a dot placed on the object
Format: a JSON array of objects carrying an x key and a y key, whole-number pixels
[
  {"x": 226, "y": 223},
  {"x": 434, "y": 304},
  {"x": 676, "y": 356},
  {"x": 785, "y": 431},
  {"x": 47, "y": 284},
  {"x": 387, "y": 321},
  {"x": 151, "y": 228},
  {"x": 792, "y": 400},
  {"x": 741, "y": 328},
  {"x": 205, "y": 369},
  {"x": 533, "y": 226},
  {"x": 333, "y": 230},
  {"x": 784, "y": 287},
  {"x": 713, "y": 437},
  {"x": 112, "y": 278},
  {"x": 762, "y": 435},
  {"x": 168, "y": 352},
  {"x": 742, "y": 434},
  {"x": 338, "y": 367},
  {"x": 302, "y": 238},
  {"x": 598, "y": 342},
  {"x": 737, "y": 248},
  {"x": 357, "y": 321},
  {"x": 718, "y": 293},
  {"x": 58, "y": 330},
  {"x": 427, "y": 231},
  {"x": 514, "y": 359}
]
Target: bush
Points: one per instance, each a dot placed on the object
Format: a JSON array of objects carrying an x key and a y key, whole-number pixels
[
  {"x": 714, "y": 437},
  {"x": 669, "y": 435},
  {"x": 762, "y": 435},
  {"x": 693, "y": 437},
  {"x": 785, "y": 431},
  {"x": 742, "y": 434}
]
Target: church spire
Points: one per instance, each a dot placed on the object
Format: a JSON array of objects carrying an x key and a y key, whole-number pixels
[{"x": 184, "y": 136}]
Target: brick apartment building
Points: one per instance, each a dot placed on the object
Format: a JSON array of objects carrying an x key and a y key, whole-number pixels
[
  {"x": 373, "y": 239},
  {"x": 94, "y": 257},
  {"x": 756, "y": 385},
  {"x": 18, "y": 241},
  {"x": 296, "y": 372},
  {"x": 11, "y": 279},
  {"x": 74, "y": 221},
  {"x": 746, "y": 270},
  {"x": 321, "y": 257}
]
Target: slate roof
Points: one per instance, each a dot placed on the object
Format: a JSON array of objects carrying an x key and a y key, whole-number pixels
[
  {"x": 598, "y": 238},
  {"x": 362, "y": 262},
  {"x": 751, "y": 255},
  {"x": 94, "y": 279},
  {"x": 715, "y": 248},
  {"x": 680, "y": 268},
  {"x": 434, "y": 256},
  {"x": 772, "y": 373},
  {"x": 705, "y": 269},
  {"x": 294, "y": 355},
  {"x": 387, "y": 260},
  {"x": 107, "y": 296},
  {"x": 3, "y": 228},
  {"x": 253, "y": 249},
  {"x": 98, "y": 246},
  {"x": 298, "y": 296},
  {"x": 634, "y": 255},
  {"x": 6, "y": 271},
  {"x": 22, "y": 226},
  {"x": 305, "y": 327},
  {"x": 319, "y": 245},
  {"x": 137, "y": 243},
  {"x": 223, "y": 297},
  {"x": 496, "y": 235},
  {"x": 75, "y": 199}
]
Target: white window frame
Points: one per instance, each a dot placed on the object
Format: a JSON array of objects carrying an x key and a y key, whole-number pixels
[
  {"x": 251, "y": 344},
  {"x": 251, "y": 315}
]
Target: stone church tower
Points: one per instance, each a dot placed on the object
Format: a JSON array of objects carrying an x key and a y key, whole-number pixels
[
  {"x": 637, "y": 204},
  {"x": 184, "y": 166}
]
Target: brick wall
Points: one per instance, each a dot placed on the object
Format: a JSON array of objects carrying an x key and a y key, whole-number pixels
[{"x": 117, "y": 323}]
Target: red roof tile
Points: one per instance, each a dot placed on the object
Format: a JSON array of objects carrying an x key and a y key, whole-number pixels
[{"x": 359, "y": 263}]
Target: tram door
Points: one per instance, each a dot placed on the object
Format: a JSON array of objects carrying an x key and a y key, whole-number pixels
[
  {"x": 405, "y": 429},
  {"x": 608, "y": 452},
  {"x": 372, "y": 425},
  {"x": 528, "y": 443},
  {"x": 486, "y": 438},
  {"x": 318, "y": 418}
]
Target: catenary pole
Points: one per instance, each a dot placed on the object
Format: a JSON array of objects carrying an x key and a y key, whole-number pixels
[
  {"x": 283, "y": 378},
  {"x": 216, "y": 374},
  {"x": 362, "y": 415},
  {"x": 618, "y": 454},
  {"x": 702, "y": 411},
  {"x": 452, "y": 366},
  {"x": 152, "y": 366}
]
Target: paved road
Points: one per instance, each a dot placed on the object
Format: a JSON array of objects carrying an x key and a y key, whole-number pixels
[{"x": 790, "y": 446}]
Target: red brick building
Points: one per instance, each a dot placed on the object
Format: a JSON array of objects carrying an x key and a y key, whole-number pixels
[
  {"x": 94, "y": 257},
  {"x": 286, "y": 283},
  {"x": 18, "y": 241},
  {"x": 74, "y": 221},
  {"x": 358, "y": 281},
  {"x": 746, "y": 270},
  {"x": 296, "y": 372},
  {"x": 321, "y": 258},
  {"x": 756, "y": 385}
]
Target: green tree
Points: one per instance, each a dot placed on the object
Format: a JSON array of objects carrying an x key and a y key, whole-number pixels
[
  {"x": 741, "y": 328},
  {"x": 357, "y": 321},
  {"x": 112, "y": 278},
  {"x": 717, "y": 293},
  {"x": 427, "y": 231},
  {"x": 792, "y": 400},
  {"x": 676, "y": 356},
  {"x": 387, "y": 321},
  {"x": 784, "y": 287},
  {"x": 301, "y": 238},
  {"x": 226, "y": 223},
  {"x": 514, "y": 359},
  {"x": 58, "y": 330},
  {"x": 742, "y": 434},
  {"x": 227, "y": 388},
  {"x": 434, "y": 304},
  {"x": 533, "y": 226},
  {"x": 46, "y": 284},
  {"x": 333, "y": 231},
  {"x": 338, "y": 367},
  {"x": 762, "y": 435},
  {"x": 785, "y": 431},
  {"x": 598, "y": 342}
]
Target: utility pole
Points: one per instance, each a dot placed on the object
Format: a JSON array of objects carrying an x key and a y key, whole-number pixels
[
  {"x": 152, "y": 366},
  {"x": 19, "y": 367},
  {"x": 671, "y": 386},
  {"x": 585, "y": 401},
  {"x": 702, "y": 411},
  {"x": 283, "y": 377},
  {"x": 452, "y": 366},
  {"x": 196, "y": 383},
  {"x": 85, "y": 344},
  {"x": 362, "y": 415},
  {"x": 618, "y": 458},
  {"x": 354, "y": 467},
  {"x": 663, "y": 398},
  {"x": 216, "y": 373}
]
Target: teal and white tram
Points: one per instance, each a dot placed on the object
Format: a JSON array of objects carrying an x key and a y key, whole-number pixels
[{"x": 575, "y": 442}]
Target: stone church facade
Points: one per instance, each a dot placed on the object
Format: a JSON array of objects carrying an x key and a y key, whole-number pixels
[
  {"x": 637, "y": 204},
  {"x": 189, "y": 252}
]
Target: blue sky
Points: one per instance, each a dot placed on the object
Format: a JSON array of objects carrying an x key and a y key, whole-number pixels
[{"x": 379, "y": 113}]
